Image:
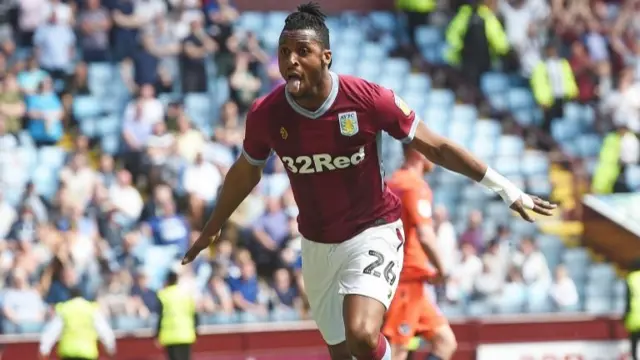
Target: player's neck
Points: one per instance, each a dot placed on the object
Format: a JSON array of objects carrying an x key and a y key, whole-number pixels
[{"x": 318, "y": 95}]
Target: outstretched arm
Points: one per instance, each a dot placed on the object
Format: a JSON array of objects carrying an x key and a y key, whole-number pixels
[{"x": 447, "y": 154}]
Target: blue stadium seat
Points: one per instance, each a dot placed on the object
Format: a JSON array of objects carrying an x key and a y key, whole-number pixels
[
  {"x": 487, "y": 128},
  {"x": 493, "y": 83},
  {"x": 368, "y": 70},
  {"x": 283, "y": 315},
  {"x": 418, "y": 83},
  {"x": 497, "y": 210},
  {"x": 620, "y": 289},
  {"x": 157, "y": 261},
  {"x": 52, "y": 157},
  {"x": 99, "y": 74},
  {"x": 598, "y": 289},
  {"x": 602, "y": 273},
  {"x": 108, "y": 125},
  {"x": 396, "y": 67},
  {"x": 345, "y": 52},
  {"x": 538, "y": 300},
  {"x": 128, "y": 323},
  {"x": 373, "y": 52},
  {"x": 45, "y": 180},
  {"x": 632, "y": 177},
  {"x": 534, "y": 163},
  {"x": 519, "y": 99},
  {"x": 275, "y": 19},
  {"x": 524, "y": 117},
  {"x": 598, "y": 306},
  {"x": 252, "y": 21},
  {"x": 573, "y": 112},
  {"x": 86, "y": 106},
  {"x": 588, "y": 145},
  {"x": 392, "y": 82},
  {"x": 460, "y": 132},
  {"x": 484, "y": 147},
  {"x": 465, "y": 114},
  {"x": 441, "y": 98},
  {"x": 510, "y": 145},
  {"x": 539, "y": 186},
  {"x": 383, "y": 20},
  {"x": 511, "y": 303},
  {"x": 523, "y": 229},
  {"x": 478, "y": 308},
  {"x": 499, "y": 101},
  {"x": 110, "y": 144},
  {"x": 416, "y": 102},
  {"x": 352, "y": 36},
  {"x": 428, "y": 36},
  {"x": 245, "y": 317},
  {"x": 551, "y": 247},
  {"x": 345, "y": 67},
  {"x": 198, "y": 107}
]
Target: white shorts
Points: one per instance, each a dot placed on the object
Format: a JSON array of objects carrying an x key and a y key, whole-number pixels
[{"x": 368, "y": 264}]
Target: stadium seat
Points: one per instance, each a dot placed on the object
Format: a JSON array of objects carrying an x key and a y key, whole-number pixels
[
  {"x": 418, "y": 83},
  {"x": 275, "y": 19},
  {"x": 281, "y": 315},
  {"x": 157, "y": 261},
  {"x": 108, "y": 125},
  {"x": 573, "y": 112},
  {"x": 441, "y": 98},
  {"x": 551, "y": 247},
  {"x": 86, "y": 106},
  {"x": 620, "y": 289},
  {"x": 483, "y": 146},
  {"x": 598, "y": 289},
  {"x": 251, "y": 21},
  {"x": 499, "y": 101},
  {"x": 632, "y": 177},
  {"x": 352, "y": 36},
  {"x": 539, "y": 186},
  {"x": 602, "y": 274},
  {"x": 428, "y": 36},
  {"x": 392, "y": 82},
  {"x": 128, "y": 323},
  {"x": 373, "y": 52},
  {"x": 524, "y": 117},
  {"x": 523, "y": 229},
  {"x": 507, "y": 165},
  {"x": 510, "y": 145},
  {"x": 99, "y": 74},
  {"x": 344, "y": 67},
  {"x": 588, "y": 145},
  {"x": 538, "y": 300},
  {"x": 396, "y": 67},
  {"x": 198, "y": 107},
  {"x": 452, "y": 311},
  {"x": 493, "y": 83},
  {"x": 45, "y": 181},
  {"x": 465, "y": 114},
  {"x": 368, "y": 70},
  {"x": 520, "y": 99},
  {"x": 487, "y": 128},
  {"x": 52, "y": 157},
  {"x": 345, "y": 52},
  {"x": 110, "y": 143},
  {"x": 478, "y": 308},
  {"x": 598, "y": 306},
  {"x": 535, "y": 163},
  {"x": 383, "y": 20}
]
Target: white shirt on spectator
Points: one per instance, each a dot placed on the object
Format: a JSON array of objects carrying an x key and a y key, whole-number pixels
[
  {"x": 147, "y": 10},
  {"x": 203, "y": 180},
  {"x": 448, "y": 245},
  {"x": 62, "y": 10},
  {"x": 630, "y": 149},
  {"x": 32, "y": 14},
  {"x": 55, "y": 42},
  {"x": 127, "y": 200},
  {"x": 80, "y": 183},
  {"x": 7, "y": 217},
  {"x": 164, "y": 141},
  {"x": 564, "y": 292},
  {"x": 535, "y": 269},
  {"x": 467, "y": 272},
  {"x": 218, "y": 154},
  {"x": 152, "y": 111}
]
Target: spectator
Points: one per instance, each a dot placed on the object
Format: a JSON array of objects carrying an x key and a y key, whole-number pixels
[
  {"x": 585, "y": 71},
  {"x": 95, "y": 24},
  {"x": 474, "y": 235},
  {"x": 620, "y": 149},
  {"x": 244, "y": 86},
  {"x": 61, "y": 10},
  {"x": 12, "y": 106},
  {"x": 106, "y": 171},
  {"x": 126, "y": 25},
  {"x": 623, "y": 104},
  {"x": 219, "y": 298},
  {"x": 195, "y": 48},
  {"x": 563, "y": 291},
  {"x": 22, "y": 307},
  {"x": 514, "y": 292},
  {"x": 145, "y": 298},
  {"x": 44, "y": 111},
  {"x": 201, "y": 182},
  {"x": 488, "y": 285},
  {"x": 464, "y": 276},
  {"x": 270, "y": 232},
  {"x": 114, "y": 296},
  {"x": 170, "y": 228},
  {"x": 222, "y": 14},
  {"x": 285, "y": 299},
  {"x": 125, "y": 198},
  {"x": 189, "y": 141},
  {"x": 79, "y": 179},
  {"x": 475, "y": 37},
  {"x": 29, "y": 79},
  {"x": 161, "y": 41},
  {"x": 32, "y": 200},
  {"x": 447, "y": 240},
  {"x": 276, "y": 183},
  {"x": 553, "y": 83},
  {"x": 24, "y": 228},
  {"x": 55, "y": 43},
  {"x": 246, "y": 291},
  {"x": 31, "y": 17},
  {"x": 535, "y": 270}
]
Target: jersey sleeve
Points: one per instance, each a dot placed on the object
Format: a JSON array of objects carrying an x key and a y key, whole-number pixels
[
  {"x": 418, "y": 208},
  {"x": 395, "y": 117},
  {"x": 255, "y": 147}
]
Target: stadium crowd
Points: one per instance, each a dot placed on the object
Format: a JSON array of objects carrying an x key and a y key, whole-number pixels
[{"x": 107, "y": 200}]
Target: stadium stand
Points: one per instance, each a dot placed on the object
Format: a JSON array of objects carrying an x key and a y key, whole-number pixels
[{"x": 112, "y": 148}]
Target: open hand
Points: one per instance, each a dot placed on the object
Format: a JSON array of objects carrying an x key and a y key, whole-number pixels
[
  {"x": 534, "y": 203},
  {"x": 200, "y": 244}
]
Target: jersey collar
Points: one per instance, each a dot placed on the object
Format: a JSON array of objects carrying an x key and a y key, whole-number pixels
[{"x": 335, "y": 86}]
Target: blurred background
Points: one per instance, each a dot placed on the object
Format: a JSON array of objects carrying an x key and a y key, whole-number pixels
[{"x": 120, "y": 118}]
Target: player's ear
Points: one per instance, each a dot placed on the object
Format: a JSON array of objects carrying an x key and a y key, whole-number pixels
[{"x": 327, "y": 57}]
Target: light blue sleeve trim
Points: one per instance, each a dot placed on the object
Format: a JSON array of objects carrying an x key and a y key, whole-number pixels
[
  {"x": 255, "y": 162},
  {"x": 412, "y": 131}
]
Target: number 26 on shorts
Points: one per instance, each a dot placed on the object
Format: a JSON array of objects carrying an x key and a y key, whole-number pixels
[{"x": 372, "y": 269}]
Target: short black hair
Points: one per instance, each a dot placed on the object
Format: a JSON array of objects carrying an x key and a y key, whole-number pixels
[{"x": 309, "y": 16}]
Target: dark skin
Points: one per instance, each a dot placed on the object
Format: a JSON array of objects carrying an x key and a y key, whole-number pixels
[{"x": 304, "y": 63}]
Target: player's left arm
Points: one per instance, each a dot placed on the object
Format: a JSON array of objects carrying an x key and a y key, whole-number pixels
[{"x": 398, "y": 120}]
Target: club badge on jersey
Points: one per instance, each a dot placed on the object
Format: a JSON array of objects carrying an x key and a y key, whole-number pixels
[
  {"x": 348, "y": 123},
  {"x": 406, "y": 110}
]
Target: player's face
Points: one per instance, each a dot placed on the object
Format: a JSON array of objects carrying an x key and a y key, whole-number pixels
[{"x": 302, "y": 60}]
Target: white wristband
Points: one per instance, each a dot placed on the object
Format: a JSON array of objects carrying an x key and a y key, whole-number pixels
[{"x": 505, "y": 188}]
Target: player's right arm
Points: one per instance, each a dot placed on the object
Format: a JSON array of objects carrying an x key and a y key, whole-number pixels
[{"x": 241, "y": 178}]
